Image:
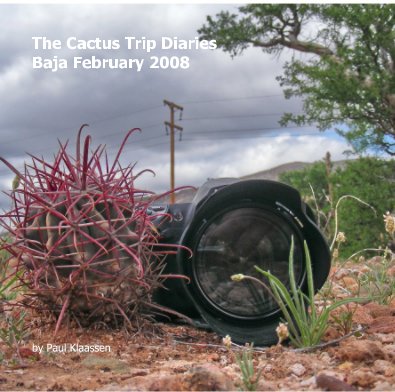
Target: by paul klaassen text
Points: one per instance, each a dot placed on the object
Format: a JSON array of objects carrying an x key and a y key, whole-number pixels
[{"x": 71, "y": 348}]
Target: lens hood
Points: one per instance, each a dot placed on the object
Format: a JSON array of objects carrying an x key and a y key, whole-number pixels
[{"x": 230, "y": 226}]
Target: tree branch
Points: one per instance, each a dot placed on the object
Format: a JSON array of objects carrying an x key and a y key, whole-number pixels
[{"x": 307, "y": 47}]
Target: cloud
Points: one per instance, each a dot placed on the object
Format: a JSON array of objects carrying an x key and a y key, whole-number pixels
[
  {"x": 280, "y": 150},
  {"x": 231, "y": 106},
  {"x": 239, "y": 158}
]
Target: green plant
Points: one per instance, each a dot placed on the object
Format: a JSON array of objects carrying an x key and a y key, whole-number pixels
[
  {"x": 306, "y": 323},
  {"x": 6, "y": 294},
  {"x": 8, "y": 288},
  {"x": 249, "y": 375},
  {"x": 365, "y": 179},
  {"x": 15, "y": 330},
  {"x": 344, "y": 319},
  {"x": 12, "y": 328},
  {"x": 375, "y": 281},
  {"x": 376, "y": 278}
]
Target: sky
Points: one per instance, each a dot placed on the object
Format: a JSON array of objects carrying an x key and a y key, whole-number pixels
[{"x": 231, "y": 106}]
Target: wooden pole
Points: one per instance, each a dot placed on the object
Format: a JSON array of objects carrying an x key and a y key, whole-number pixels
[{"x": 173, "y": 107}]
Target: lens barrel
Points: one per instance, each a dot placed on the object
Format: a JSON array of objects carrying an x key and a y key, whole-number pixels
[{"x": 231, "y": 226}]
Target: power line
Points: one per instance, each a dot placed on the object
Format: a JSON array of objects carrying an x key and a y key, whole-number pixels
[
  {"x": 189, "y": 139},
  {"x": 127, "y": 114},
  {"x": 258, "y": 129},
  {"x": 145, "y": 127},
  {"x": 233, "y": 99},
  {"x": 240, "y": 134},
  {"x": 35, "y": 135},
  {"x": 255, "y": 115},
  {"x": 211, "y": 131}
]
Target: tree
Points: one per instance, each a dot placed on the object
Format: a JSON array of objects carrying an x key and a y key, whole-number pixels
[
  {"x": 370, "y": 179},
  {"x": 313, "y": 184},
  {"x": 347, "y": 78}
]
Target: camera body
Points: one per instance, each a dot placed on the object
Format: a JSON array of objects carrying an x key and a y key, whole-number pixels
[{"x": 230, "y": 226}]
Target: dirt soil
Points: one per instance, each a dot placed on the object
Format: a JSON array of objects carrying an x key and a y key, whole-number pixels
[{"x": 177, "y": 357}]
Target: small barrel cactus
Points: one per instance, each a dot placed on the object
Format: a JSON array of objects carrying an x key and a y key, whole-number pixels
[{"x": 83, "y": 241}]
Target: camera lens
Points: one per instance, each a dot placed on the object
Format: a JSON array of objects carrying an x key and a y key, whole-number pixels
[
  {"x": 234, "y": 241},
  {"x": 233, "y": 227}
]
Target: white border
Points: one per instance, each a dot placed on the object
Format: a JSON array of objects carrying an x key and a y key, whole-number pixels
[{"x": 203, "y": 2}]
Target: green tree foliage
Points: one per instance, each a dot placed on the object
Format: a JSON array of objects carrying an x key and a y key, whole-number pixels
[
  {"x": 347, "y": 79},
  {"x": 312, "y": 183},
  {"x": 370, "y": 179}
]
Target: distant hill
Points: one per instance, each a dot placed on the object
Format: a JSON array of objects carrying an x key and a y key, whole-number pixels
[{"x": 273, "y": 174}]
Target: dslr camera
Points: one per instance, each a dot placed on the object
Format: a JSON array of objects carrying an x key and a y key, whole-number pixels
[{"x": 230, "y": 226}]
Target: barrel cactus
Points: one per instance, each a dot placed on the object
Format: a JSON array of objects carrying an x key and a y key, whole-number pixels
[{"x": 83, "y": 238}]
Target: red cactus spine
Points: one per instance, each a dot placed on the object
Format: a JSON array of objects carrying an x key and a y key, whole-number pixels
[{"x": 82, "y": 236}]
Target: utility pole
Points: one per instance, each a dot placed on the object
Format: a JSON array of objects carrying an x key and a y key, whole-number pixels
[{"x": 173, "y": 107}]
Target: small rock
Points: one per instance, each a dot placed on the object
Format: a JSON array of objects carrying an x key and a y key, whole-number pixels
[
  {"x": 346, "y": 366},
  {"x": 166, "y": 383},
  {"x": 114, "y": 387},
  {"x": 361, "y": 316},
  {"x": 363, "y": 378},
  {"x": 375, "y": 309},
  {"x": 56, "y": 387},
  {"x": 136, "y": 373},
  {"x": 350, "y": 283},
  {"x": 297, "y": 369},
  {"x": 342, "y": 273},
  {"x": 16, "y": 371},
  {"x": 27, "y": 353},
  {"x": 360, "y": 351},
  {"x": 383, "y": 386},
  {"x": 382, "y": 324},
  {"x": 209, "y": 378},
  {"x": 268, "y": 368},
  {"x": 202, "y": 378},
  {"x": 331, "y": 383},
  {"x": 384, "y": 367},
  {"x": 325, "y": 357},
  {"x": 31, "y": 385},
  {"x": 105, "y": 364},
  {"x": 389, "y": 350},
  {"x": 310, "y": 382},
  {"x": 332, "y": 333},
  {"x": 223, "y": 361},
  {"x": 391, "y": 271},
  {"x": 265, "y": 385},
  {"x": 385, "y": 337},
  {"x": 213, "y": 357}
]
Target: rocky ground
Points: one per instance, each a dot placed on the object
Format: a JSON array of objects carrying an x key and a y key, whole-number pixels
[{"x": 174, "y": 357}]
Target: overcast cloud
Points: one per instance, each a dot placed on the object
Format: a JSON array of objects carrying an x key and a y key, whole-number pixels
[{"x": 231, "y": 106}]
